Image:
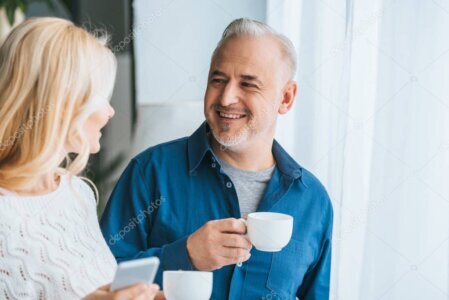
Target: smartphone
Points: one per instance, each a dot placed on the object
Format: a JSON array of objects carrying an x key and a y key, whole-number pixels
[{"x": 142, "y": 270}]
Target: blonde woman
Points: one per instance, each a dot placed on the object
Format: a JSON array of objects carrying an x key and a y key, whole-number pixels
[{"x": 55, "y": 84}]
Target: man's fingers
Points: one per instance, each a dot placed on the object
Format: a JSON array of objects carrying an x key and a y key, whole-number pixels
[
  {"x": 233, "y": 253},
  {"x": 235, "y": 241},
  {"x": 231, "y": 225},
  {"x": 225, "y": 261},
  {"x": 206, "y": 246}
]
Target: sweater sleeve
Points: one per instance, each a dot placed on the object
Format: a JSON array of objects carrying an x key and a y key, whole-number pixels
[{"x": 126, "y": 223}]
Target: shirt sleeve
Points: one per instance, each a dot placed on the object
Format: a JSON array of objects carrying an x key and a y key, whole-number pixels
[
  {"x": 126, "y": 223},
  {"x": 316, "y": 284}
]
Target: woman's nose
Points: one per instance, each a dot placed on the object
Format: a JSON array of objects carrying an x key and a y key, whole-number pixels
[{"x": 111, "y": 112}]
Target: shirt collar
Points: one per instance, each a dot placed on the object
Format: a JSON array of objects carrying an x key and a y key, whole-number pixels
[
  {"x": 198, "y": 146},
  {"x": 286, "y": 164}
]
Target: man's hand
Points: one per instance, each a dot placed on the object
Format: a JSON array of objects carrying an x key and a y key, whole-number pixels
[{"x": 219, "y": 243}]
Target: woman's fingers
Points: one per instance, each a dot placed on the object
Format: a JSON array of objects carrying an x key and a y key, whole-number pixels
[
  {"x": 149, "y": 294},
  {"x": 160, "y": 296},
  {"x": 105, "y": 288},
  {"x": 131, "y": 292},
  {"x": 135, "y": 292}
]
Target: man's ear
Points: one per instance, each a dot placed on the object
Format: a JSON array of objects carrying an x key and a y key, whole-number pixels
[{"x": 288, "y": 97}]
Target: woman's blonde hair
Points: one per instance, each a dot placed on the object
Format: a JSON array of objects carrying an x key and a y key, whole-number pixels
[{"x": 53, "y": 75}]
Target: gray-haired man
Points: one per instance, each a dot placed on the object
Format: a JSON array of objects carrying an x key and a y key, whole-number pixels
[{"x": 229, "y": 167}]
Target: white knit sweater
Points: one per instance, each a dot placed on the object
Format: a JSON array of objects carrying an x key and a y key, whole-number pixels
[{"x": 51, "y": 246}]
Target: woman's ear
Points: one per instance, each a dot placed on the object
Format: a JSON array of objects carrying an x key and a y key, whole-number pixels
[{"x": 288, "y": 97}]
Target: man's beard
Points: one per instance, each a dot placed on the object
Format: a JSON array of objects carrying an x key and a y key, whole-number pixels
[{"x": 241, "y": 136}]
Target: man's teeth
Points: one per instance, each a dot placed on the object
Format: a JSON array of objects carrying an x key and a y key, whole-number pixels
[{"x": 231, "y": 116}]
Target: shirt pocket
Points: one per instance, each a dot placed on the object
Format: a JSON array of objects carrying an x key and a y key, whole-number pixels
[{"x": 288, "y": 268}]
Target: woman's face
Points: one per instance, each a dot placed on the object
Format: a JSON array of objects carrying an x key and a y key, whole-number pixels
[{"x": 95, "y": 122}]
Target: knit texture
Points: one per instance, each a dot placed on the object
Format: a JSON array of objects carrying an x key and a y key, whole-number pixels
[{"x": 51, "y": 246}]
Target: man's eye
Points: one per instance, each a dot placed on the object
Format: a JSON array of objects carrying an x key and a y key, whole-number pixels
[
  {"x": 247, "y": 84},
  {"x": 217, "y": 80}
]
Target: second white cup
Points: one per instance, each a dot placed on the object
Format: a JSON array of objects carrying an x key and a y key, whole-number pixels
[{"x": 187, "y": 285}]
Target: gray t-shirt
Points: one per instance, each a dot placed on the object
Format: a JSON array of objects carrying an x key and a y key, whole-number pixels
[{"x": 250, "y": 186}]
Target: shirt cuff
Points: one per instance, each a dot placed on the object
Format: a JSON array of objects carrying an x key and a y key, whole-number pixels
[{"x": 174, "y": 256}]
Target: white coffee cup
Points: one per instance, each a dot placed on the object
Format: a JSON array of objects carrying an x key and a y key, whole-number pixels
[
  {"x": 187, "y": 285},
  {"x": 269, "y": 231}
]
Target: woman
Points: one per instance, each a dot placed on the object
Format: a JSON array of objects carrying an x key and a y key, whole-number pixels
[{"x": 55, "y": 84}]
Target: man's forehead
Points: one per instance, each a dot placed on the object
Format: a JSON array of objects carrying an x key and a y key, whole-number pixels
[{"x": 241, "y": 65}]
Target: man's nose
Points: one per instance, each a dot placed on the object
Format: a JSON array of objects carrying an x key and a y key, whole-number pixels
[{"x": 230, "y": 95}]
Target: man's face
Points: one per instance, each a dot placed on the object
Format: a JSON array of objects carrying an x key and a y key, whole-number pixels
[{"x": 244, "y": 90}]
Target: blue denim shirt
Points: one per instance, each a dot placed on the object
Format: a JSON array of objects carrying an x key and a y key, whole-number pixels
[{"x": 170, "y": 190}]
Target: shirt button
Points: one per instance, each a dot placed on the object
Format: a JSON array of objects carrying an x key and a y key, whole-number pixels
[
  {"x": 214, "y": 165},
  {"x": 228, "y": 184}
]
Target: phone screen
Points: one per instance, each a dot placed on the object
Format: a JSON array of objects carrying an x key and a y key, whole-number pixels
[{"x": 136, "y": 271}]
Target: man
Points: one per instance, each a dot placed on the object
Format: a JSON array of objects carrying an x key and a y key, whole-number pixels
[{"x": 182, "y": 200}]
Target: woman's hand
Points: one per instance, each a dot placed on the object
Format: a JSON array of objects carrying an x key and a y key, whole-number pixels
[{"x": 135, "y": 292}]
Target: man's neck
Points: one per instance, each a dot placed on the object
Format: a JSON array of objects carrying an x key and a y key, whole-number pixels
[{"x": 256, "y": 157}]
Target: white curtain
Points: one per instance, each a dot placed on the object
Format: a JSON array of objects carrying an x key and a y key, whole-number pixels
[{"x": 372, "y": 122}]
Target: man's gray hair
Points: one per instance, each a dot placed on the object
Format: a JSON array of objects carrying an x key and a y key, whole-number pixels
[{"x": 252, "y": 28}]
